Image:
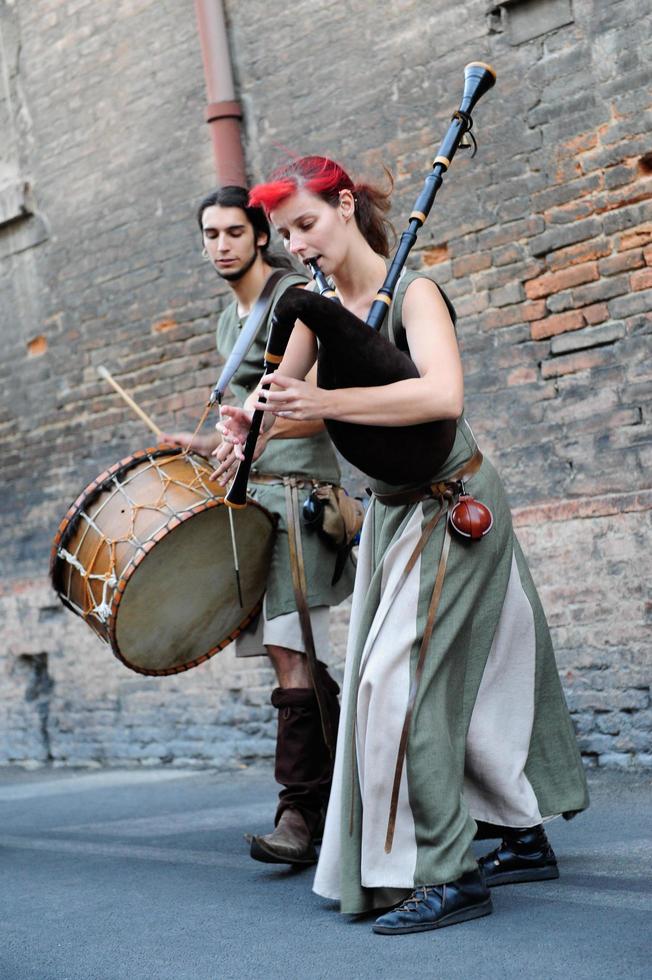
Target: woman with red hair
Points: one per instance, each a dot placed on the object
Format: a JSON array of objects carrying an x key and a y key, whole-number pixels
[{"x": 454, "y": 718}]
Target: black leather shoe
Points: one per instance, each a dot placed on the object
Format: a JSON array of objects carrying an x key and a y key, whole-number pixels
[
  {"x": 436, "y": 906},
  {"x": 524, "y": 855}
]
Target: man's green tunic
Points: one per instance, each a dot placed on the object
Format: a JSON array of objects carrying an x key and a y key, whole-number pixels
[{"x": 312, "y": 459}]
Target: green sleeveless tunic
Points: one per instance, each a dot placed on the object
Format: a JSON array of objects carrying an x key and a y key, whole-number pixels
[
  {"x": 490, "y": 737},
  {"x": 312, "y": 459}
]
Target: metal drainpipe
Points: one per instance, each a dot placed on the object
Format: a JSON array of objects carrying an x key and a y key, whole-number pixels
[{"x": 223, "y": 112}]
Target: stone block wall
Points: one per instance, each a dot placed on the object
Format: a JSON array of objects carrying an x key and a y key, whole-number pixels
[{"x": 543, "y": 241}]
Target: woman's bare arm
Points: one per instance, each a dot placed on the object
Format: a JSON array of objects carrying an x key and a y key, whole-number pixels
[{"x": 437, "y": 394}]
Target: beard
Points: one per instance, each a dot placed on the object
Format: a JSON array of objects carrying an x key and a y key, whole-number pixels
[{"x": 242, "y": 271}]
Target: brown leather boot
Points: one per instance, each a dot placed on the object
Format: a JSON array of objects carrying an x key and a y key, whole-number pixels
[
  {"x": 290, "y": 842},
  {"x": 304, "y": 768}
]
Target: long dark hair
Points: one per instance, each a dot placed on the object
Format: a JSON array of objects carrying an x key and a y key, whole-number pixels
[
  {"x": 325, "y": 178},
  {"x": 238, "y": 197}
]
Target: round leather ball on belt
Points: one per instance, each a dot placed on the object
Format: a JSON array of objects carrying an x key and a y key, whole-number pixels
[{"x": 470, "y": 518}]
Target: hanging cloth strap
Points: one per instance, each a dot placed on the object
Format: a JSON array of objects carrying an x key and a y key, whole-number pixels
[
  {"x": 421, "y": 659},
  {"x": 447, "y": 492},
  {"x": 300, "y": 595}
]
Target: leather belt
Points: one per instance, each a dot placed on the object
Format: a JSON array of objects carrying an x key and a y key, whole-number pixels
[
  {"x": 276, "y": 479},
  {"x": 441, "y": 489}
]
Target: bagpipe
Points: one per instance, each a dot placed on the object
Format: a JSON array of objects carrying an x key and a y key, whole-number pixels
[{"x": 353, "y": 353}]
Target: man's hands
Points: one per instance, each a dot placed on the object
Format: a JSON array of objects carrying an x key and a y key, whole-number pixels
[
  {"x": 291, "y": 400},
  {"x": 204, "y": 445},
  {"x": 234, "y": 428},
  {"x": 226, "y": 446}
]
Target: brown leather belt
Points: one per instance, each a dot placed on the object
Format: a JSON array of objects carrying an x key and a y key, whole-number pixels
[{"x": 442, "y": 489}]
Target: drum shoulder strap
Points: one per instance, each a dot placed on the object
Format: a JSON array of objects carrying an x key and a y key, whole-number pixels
[
  {"x": 282, "y": 277},
  {"x": 263, "y": 305}
]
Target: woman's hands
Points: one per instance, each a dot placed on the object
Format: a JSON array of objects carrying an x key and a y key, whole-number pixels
[{"x": 292, "y": 399}]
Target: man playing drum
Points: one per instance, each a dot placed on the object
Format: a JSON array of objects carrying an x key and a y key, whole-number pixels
[{"x": 236, "y": 239}]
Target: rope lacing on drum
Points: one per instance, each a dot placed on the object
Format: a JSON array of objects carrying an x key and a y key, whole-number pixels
[
  {"x": 99, "y": 606},
  {"x": 101, "y": 610}
]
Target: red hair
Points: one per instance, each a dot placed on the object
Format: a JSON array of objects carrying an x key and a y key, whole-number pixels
[{"x": 326, "y": 179}]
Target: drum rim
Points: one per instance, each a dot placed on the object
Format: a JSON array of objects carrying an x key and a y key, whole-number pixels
[{"x": 88, "y": 494}]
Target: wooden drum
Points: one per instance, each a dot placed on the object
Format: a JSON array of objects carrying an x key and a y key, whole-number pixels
[{"x": 144, "y": 557}]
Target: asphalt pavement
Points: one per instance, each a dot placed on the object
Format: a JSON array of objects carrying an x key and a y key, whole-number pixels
[{"x": 145, "y": 875}]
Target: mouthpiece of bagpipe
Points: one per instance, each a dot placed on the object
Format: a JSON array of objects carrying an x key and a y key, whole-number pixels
[{"x": 324, "y": 288}]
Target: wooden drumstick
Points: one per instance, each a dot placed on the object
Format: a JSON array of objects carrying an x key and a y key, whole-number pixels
[{"x": 103, "y": 373}]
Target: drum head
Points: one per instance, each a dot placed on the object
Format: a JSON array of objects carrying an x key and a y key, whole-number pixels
[{"x": 180, "y": 603}]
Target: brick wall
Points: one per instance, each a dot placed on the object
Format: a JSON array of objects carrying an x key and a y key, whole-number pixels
[{"x": 543, "y": 241}]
